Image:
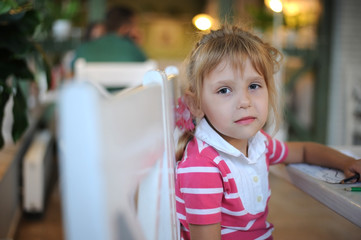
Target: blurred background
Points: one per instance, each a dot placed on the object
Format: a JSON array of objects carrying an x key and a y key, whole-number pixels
[
  {"x": 320, "y": 75},
  {"x": 320, "y": 78}
]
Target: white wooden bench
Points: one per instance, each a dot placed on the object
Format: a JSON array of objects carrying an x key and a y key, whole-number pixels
[
  {"x": 117, "y": 160},
  {"x": 113, "y": 74}
]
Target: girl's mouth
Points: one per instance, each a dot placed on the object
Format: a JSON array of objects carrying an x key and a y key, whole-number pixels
[{"x": 245, "y": 120}]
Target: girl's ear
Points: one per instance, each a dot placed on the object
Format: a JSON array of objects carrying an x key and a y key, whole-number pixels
[{"x": 191, "y": 102}]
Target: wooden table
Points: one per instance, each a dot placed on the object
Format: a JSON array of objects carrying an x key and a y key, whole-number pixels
[{"x": 347, "y": 204}]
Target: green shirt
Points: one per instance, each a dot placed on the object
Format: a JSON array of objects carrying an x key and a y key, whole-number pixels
[{"x": 110, "y": 48}]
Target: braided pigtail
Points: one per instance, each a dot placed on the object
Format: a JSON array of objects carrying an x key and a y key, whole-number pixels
[{"x": 182, "y": 143}]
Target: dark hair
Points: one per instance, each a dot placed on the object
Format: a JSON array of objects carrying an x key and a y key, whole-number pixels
[{"x": 118, "y": 16}]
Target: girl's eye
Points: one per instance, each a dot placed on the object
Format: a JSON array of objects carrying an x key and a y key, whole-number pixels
[
  {"x": 224, "y": 90},
  {"x": 254, "y": 86}
]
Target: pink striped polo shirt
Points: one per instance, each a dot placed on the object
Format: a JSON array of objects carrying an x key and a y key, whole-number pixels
[{"x": 216, "y": 183}]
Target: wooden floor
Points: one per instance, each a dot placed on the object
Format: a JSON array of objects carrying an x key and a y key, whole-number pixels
[
  {"x": 49, "y": 226},
  {"x": 295, "y": 215}
]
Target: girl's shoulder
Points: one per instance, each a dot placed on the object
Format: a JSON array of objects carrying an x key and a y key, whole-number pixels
[
  {"x": 201, "y": 160},
  {"x": 270, "y": 141},
  {"x": 198, "y": 152},
  {"x": 277, "y": 150},
  {"x": 268, "y": 137}
]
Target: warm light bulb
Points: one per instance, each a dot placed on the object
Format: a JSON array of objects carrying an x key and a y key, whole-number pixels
[
  {"x": 275, "y": 5},
  {"x": 202, "y": 22}
]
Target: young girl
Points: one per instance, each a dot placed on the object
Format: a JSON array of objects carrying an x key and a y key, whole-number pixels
[{"x": 222, "y": 187}]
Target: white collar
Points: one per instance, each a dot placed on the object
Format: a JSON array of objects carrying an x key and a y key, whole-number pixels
[{"x": 256, "y": 144}]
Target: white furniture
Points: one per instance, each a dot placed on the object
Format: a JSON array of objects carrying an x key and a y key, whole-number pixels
[
  {"x": 347, "y": 204},
  {"x": 117, "y": 160},
  {"x": 113, "y": 74},
  {"x": 37, "y": 170}
]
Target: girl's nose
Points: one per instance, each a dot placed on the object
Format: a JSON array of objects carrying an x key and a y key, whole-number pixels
[{"x": 244, "y": 100}]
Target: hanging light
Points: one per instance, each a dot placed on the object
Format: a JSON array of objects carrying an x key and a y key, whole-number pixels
[
  {"x": 202, "y": 21},
  {"x": 274, "y": 5}
]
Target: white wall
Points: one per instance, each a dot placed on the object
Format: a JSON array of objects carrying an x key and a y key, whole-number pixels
[{"x": 345, "y": 72}]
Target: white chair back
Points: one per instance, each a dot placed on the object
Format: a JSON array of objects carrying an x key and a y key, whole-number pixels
[
  {"x": 117, "y": 161},
  {"x": 113, "y": 74}
]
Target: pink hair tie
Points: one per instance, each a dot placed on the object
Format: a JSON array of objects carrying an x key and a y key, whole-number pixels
[{"x": 183, "y": 116}]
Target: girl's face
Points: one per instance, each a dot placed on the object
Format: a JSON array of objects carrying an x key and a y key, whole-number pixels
[{"x": 235, "y": 103}]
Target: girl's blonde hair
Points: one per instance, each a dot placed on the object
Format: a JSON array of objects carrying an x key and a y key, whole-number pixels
[{"x": 234, "y": 44}]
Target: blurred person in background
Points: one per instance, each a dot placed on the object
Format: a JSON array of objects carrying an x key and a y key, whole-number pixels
[
  {"x": 93, "y": 31},
  {"x": 118, "y": 44}
]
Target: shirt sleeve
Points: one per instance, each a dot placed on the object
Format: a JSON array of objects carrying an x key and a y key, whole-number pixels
[{"x": 277, "y": 150}]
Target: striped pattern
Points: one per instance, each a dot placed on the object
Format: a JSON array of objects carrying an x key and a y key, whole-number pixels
[
  {"x": 206, "y": 193},
  {"x": 277, "y": 150}
]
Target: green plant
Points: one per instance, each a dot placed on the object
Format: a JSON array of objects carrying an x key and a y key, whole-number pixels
[
  {"x": 65, "y": 9},
  {"x": 18, "y": 23},
  {"x": 52, "y": 10}
]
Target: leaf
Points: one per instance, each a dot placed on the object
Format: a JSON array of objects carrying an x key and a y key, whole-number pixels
[
  {"x": 20, "y": 114},
  {"x": 18, "y": 30},
  {"x": 17, "y": 68},
  {"x": 4, "y": 97},
  {"x": 13, "y": 40},
  {"x": 29, "y": 22},
  {"x": 18, "y": 23},
  {"x": 10, "y": 17},
  {"x": 70, "y": 9},
  {"x": 4, "y": 7},
  {"x": 7, "y": 5}
]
